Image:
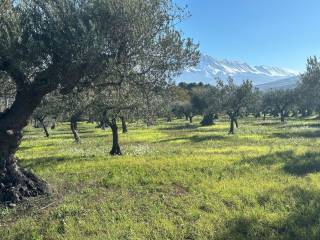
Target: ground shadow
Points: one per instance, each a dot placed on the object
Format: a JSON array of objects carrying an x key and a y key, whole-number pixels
[
  {"x": 301, "y": 222},
  {"x": 300, "y": 134},
  {"x": 302, "y": 164},
  {"x": 310, "y": 125},
  {"x": 47, "y": 162},
  {"x": 197, "y": 139},
  {"x": 94, "y": 137},
  {"x": 25, "y": 148},
  {"x": 269, "y": 124},
  {"x": 194, "y": 139},
  {"x": 180, "y": 127},
  {"x": 83, "y": 135},
  {"x": 298, "y": 165}
]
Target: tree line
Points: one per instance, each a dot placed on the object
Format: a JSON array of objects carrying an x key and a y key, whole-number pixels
[
  {"x": 237, "y": 101},
  {"x": 107, "y": 106}
]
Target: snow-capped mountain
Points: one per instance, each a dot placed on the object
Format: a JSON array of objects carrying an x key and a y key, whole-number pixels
[
  {"x": 286, "y": 83},
  {"x": 209, "y": 69}
]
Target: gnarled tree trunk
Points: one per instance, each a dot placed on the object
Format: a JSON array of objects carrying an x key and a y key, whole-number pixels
[
  {"x": 124, "y": 125},
  {"x": 16, "y": 183},
  {"x": 115, "y": 138}
]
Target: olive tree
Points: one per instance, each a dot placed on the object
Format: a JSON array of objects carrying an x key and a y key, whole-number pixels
[
  {"x": 43, "y": 45},
  {"x": 61, "y": 44},
  {"x": 207, "y": 101},
  {"x": 308, "y": 89},
  {"x": 235, "y": 100},
  {"x": 73, "y": 106},
  {"x": 112, "y": 104},
  {"x": 49, "y": 107},
  {"x": 279, "y": 102}
]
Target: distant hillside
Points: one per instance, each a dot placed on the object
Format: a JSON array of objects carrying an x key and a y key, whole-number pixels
[
  {"x": 210, "y": 68},
  {"x": 287, "y": 83}
]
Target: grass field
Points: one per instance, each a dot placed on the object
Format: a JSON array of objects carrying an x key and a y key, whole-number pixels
[{"x": 174, "y": 181}]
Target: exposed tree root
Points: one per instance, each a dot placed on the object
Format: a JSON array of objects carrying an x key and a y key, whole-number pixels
[{"x": 17, "y": 184}]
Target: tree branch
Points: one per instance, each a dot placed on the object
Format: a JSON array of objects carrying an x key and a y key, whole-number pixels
[{"x": 14, "y": 72}]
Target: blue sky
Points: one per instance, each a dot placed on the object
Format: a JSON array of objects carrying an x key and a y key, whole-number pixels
[{"x": 279, "y": 33}]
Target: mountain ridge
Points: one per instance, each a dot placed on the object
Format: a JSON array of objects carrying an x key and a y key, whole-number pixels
[
  {"x": 287, "y": 83},
  {"x": 210, "y": 69}
]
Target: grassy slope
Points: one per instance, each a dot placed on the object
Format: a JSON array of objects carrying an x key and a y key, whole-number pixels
[{"x": 175, "y": 181}]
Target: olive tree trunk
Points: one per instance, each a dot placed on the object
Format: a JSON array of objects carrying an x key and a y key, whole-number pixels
[
  {"x": 236, "y": 122},
  {"x": 190, "y": 119},
  {"x": 208, "y": 120},
  {"x": 103, "y": 122},
  {"x": 233, "y": 122},
  {"x": 124, "y": 125},
  {"x": 103, "y": 125},
  {"x": 41, "y": 121},
  {"x": 16, "y": 183},
  {"x": 74, "y": 128},
  {"x": 53, "y": 123},
  {"x": 282, "y": 117},
  {"x": 115, "y": 138},
  {"x": 231, "y": 131},
  {"x": 36, "y": 123}
]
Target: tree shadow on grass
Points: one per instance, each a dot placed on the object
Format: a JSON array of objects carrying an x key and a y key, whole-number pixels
[
  {"x": 68, "y": 131},
  {"x": 303, "y": 164},
  {"x": 270, "y": 124},
  {"x": 180, "y": 127},
  {"x": 26, "y": 148},
  {"x": 300, "y": 134},
  {"x": 194, "y": 139},
  {"x": 298, "y": 165},
  {"x": 94, "y": 136},
  {"x": 81, "y": 134},
  {"x": 197, "y": 139},
  {"x": 301, "y": 221},
  {"x": 46, "y": 162},
  {"x": 309, "y": 125}
]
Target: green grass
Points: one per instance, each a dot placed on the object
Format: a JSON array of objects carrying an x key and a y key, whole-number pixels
[{"x": 174, "y": 181}]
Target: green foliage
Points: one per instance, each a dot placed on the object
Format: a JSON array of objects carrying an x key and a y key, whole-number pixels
[
  {"x": 309, "y": 86},
  {"x": 174, "y": 181},
  {"x": 280, "y": 102}
]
